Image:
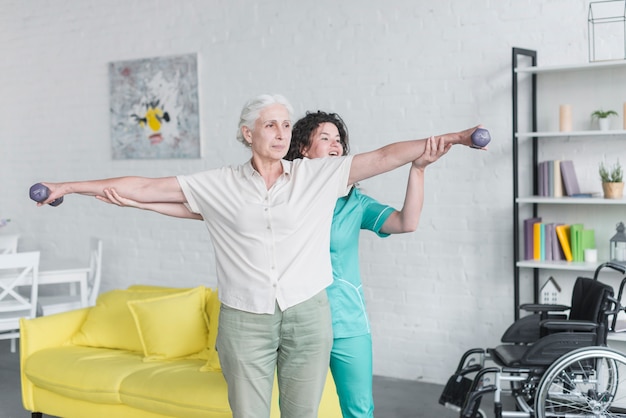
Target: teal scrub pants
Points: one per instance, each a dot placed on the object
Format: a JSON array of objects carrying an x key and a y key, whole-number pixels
[
  {"x": 351, "y": 366},
  {"x": 294, "y": 343}
]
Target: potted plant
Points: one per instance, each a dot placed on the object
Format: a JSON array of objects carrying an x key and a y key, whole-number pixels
[
  {"x": 612, "y": 180},
  {"x": 603, "y": 118}
]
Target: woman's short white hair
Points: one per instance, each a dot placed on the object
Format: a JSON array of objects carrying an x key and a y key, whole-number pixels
[{"x": 252, "y": 109}]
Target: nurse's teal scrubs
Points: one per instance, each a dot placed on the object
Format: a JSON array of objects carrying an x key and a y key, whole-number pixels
[{"x": 351, "y": 355}]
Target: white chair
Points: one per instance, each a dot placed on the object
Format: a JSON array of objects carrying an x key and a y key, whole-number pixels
[
  {"x": 17, "y": 270},
  {"x": 8, "y": 243},
  {"x": 88, "y": 277}
]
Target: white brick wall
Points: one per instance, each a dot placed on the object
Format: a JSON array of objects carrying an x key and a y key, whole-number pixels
[{"x": 394, "y": 70}]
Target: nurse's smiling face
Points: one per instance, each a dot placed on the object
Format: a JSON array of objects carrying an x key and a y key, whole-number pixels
[{"x": 325, "y": 141}]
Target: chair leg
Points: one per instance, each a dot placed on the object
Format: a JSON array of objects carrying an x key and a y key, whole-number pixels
[{"x": 13, "y": 345}]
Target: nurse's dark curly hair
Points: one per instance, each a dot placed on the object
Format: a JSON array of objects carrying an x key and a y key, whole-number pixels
[{"x": 304, "y": 128}]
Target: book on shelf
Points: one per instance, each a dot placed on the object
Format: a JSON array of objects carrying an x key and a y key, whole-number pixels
[
  {"x": 529, "y": 237},
  {"x": 550, "y": 176},
  {"x": 570, "y": 181},
  {"x": 537, "y": 238},
  {"x": 588, "y": 240},
  {"x": 545, "y": 179},
  {"x": 558, "y": 180},
  {"x": 547, "y": 241},
  {"x": 576, "y": 241},
  {"x": 562, "y": 232},
  {"x": 557, "y": 250}
]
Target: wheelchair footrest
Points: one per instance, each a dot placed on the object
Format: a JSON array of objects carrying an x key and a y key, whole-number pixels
[{"x": 455, "y": 391}]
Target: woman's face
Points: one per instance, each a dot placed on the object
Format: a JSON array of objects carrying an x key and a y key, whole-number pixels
[
  {"x": 325, "y": 142},
  {"x": 271, "y": 135}
]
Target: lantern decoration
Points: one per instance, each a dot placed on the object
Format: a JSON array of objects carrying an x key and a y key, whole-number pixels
[
  {"x": 618, "y": 245},
  {"x": 607, "y": 30}
]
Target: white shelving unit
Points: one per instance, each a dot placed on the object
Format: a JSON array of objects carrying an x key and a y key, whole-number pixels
[{"x": 535, "y": 137}]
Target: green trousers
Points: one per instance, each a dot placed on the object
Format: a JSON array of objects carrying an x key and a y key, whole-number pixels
[{"x": 295, "y": 344}]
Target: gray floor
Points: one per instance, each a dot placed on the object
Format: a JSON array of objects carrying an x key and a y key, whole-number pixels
[{"x": 394, "y": 398}]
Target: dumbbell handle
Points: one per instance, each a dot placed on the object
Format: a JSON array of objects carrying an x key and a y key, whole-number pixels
[{"x": 39, "y": 193}]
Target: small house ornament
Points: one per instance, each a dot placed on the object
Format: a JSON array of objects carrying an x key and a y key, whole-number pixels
[
  {"x": 550, "y": 292},
  {"x": 618, "y": 245}
]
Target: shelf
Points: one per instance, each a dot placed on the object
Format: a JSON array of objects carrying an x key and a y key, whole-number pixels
[
  {"x": 569, "y": 134},
  {"x": 558, "y": 265},
  {"x": 574, "y": 67},
  {"x": 571, "y": 200}
]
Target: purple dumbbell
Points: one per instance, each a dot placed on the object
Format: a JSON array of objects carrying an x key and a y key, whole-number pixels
[
  {"x": 480, "y": 138},
  {"x": 39, "y": 193}
]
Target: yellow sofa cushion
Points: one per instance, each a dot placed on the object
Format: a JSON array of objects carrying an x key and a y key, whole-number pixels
[
  {"x": 173, "y": 325},
  {"x": 109, "y": 324},
  {"x": 86, "y": 373},
  {"x": 177, "y": 389}
]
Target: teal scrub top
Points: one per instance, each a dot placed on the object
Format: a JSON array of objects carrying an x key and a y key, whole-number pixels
[{"x": 353, "y": 212}]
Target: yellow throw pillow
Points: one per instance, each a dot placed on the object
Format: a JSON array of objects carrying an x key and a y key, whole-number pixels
[
  {"x": 110, "y": 324},
  {"x": 172, "y": 326}
]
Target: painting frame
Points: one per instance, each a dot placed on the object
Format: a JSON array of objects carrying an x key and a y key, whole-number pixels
[{"x": 154, "y": 108}]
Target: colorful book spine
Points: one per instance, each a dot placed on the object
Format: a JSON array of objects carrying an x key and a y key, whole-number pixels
[
  {"x": 562, "y": 231},
  {"x": 588, "y": 240},
  {"x": 537, "y": 241},
  {"x": 547, "y": 239},
  {"x": 550, "y": 167},
  {"x": 542, "y": 241},
  {"x": 576, "y": 241},
  {"x": 570, "y": 181},
  {"x": 529, "y": 237},
  {"x": 558, "y": 180},
  {"x": 557, "y": 251}
]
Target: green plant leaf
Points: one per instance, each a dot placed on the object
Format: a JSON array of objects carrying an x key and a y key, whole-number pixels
[
  {"x": 602, "y": 114},
  {"x": 613, "y": 175}
]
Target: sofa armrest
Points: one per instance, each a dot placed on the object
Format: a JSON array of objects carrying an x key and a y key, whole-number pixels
[
  {"x": 49, "y": 331},
  {"x": 45, "y": 332}
]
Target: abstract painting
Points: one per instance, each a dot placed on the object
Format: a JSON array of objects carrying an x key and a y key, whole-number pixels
[{"x": 154, "y": 108}]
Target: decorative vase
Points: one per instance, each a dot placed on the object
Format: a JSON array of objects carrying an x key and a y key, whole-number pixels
[
  {"x": 613, "y": 190},
  {"x": 604, "y": 124}
]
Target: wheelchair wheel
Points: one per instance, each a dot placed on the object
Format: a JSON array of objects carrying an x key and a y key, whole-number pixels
[{"x": 587, "y": 382}]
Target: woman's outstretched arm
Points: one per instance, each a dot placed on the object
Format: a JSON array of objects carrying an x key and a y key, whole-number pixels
[
  {"x": 140, "y": 189},
  {"x": 395, "y": 155},
  {"x": 178, "y": 210}
]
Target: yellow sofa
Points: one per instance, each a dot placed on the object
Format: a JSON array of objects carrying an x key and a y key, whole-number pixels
[{"x": 139, "y": 352}]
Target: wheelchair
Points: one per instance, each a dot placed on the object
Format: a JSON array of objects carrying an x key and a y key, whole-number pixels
[{"x": 549, "y": 364}]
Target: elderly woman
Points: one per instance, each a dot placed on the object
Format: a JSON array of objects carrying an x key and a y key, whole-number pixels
[{"x": 269, "y": 221}]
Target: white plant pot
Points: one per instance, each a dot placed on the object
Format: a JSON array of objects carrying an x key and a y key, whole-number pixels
[{"x": 604, "y": 123}]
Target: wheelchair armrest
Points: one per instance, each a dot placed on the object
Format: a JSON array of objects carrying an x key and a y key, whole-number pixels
[
  {"x": 556, "y": 325},
  {"x": 535, "y": 307}
]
